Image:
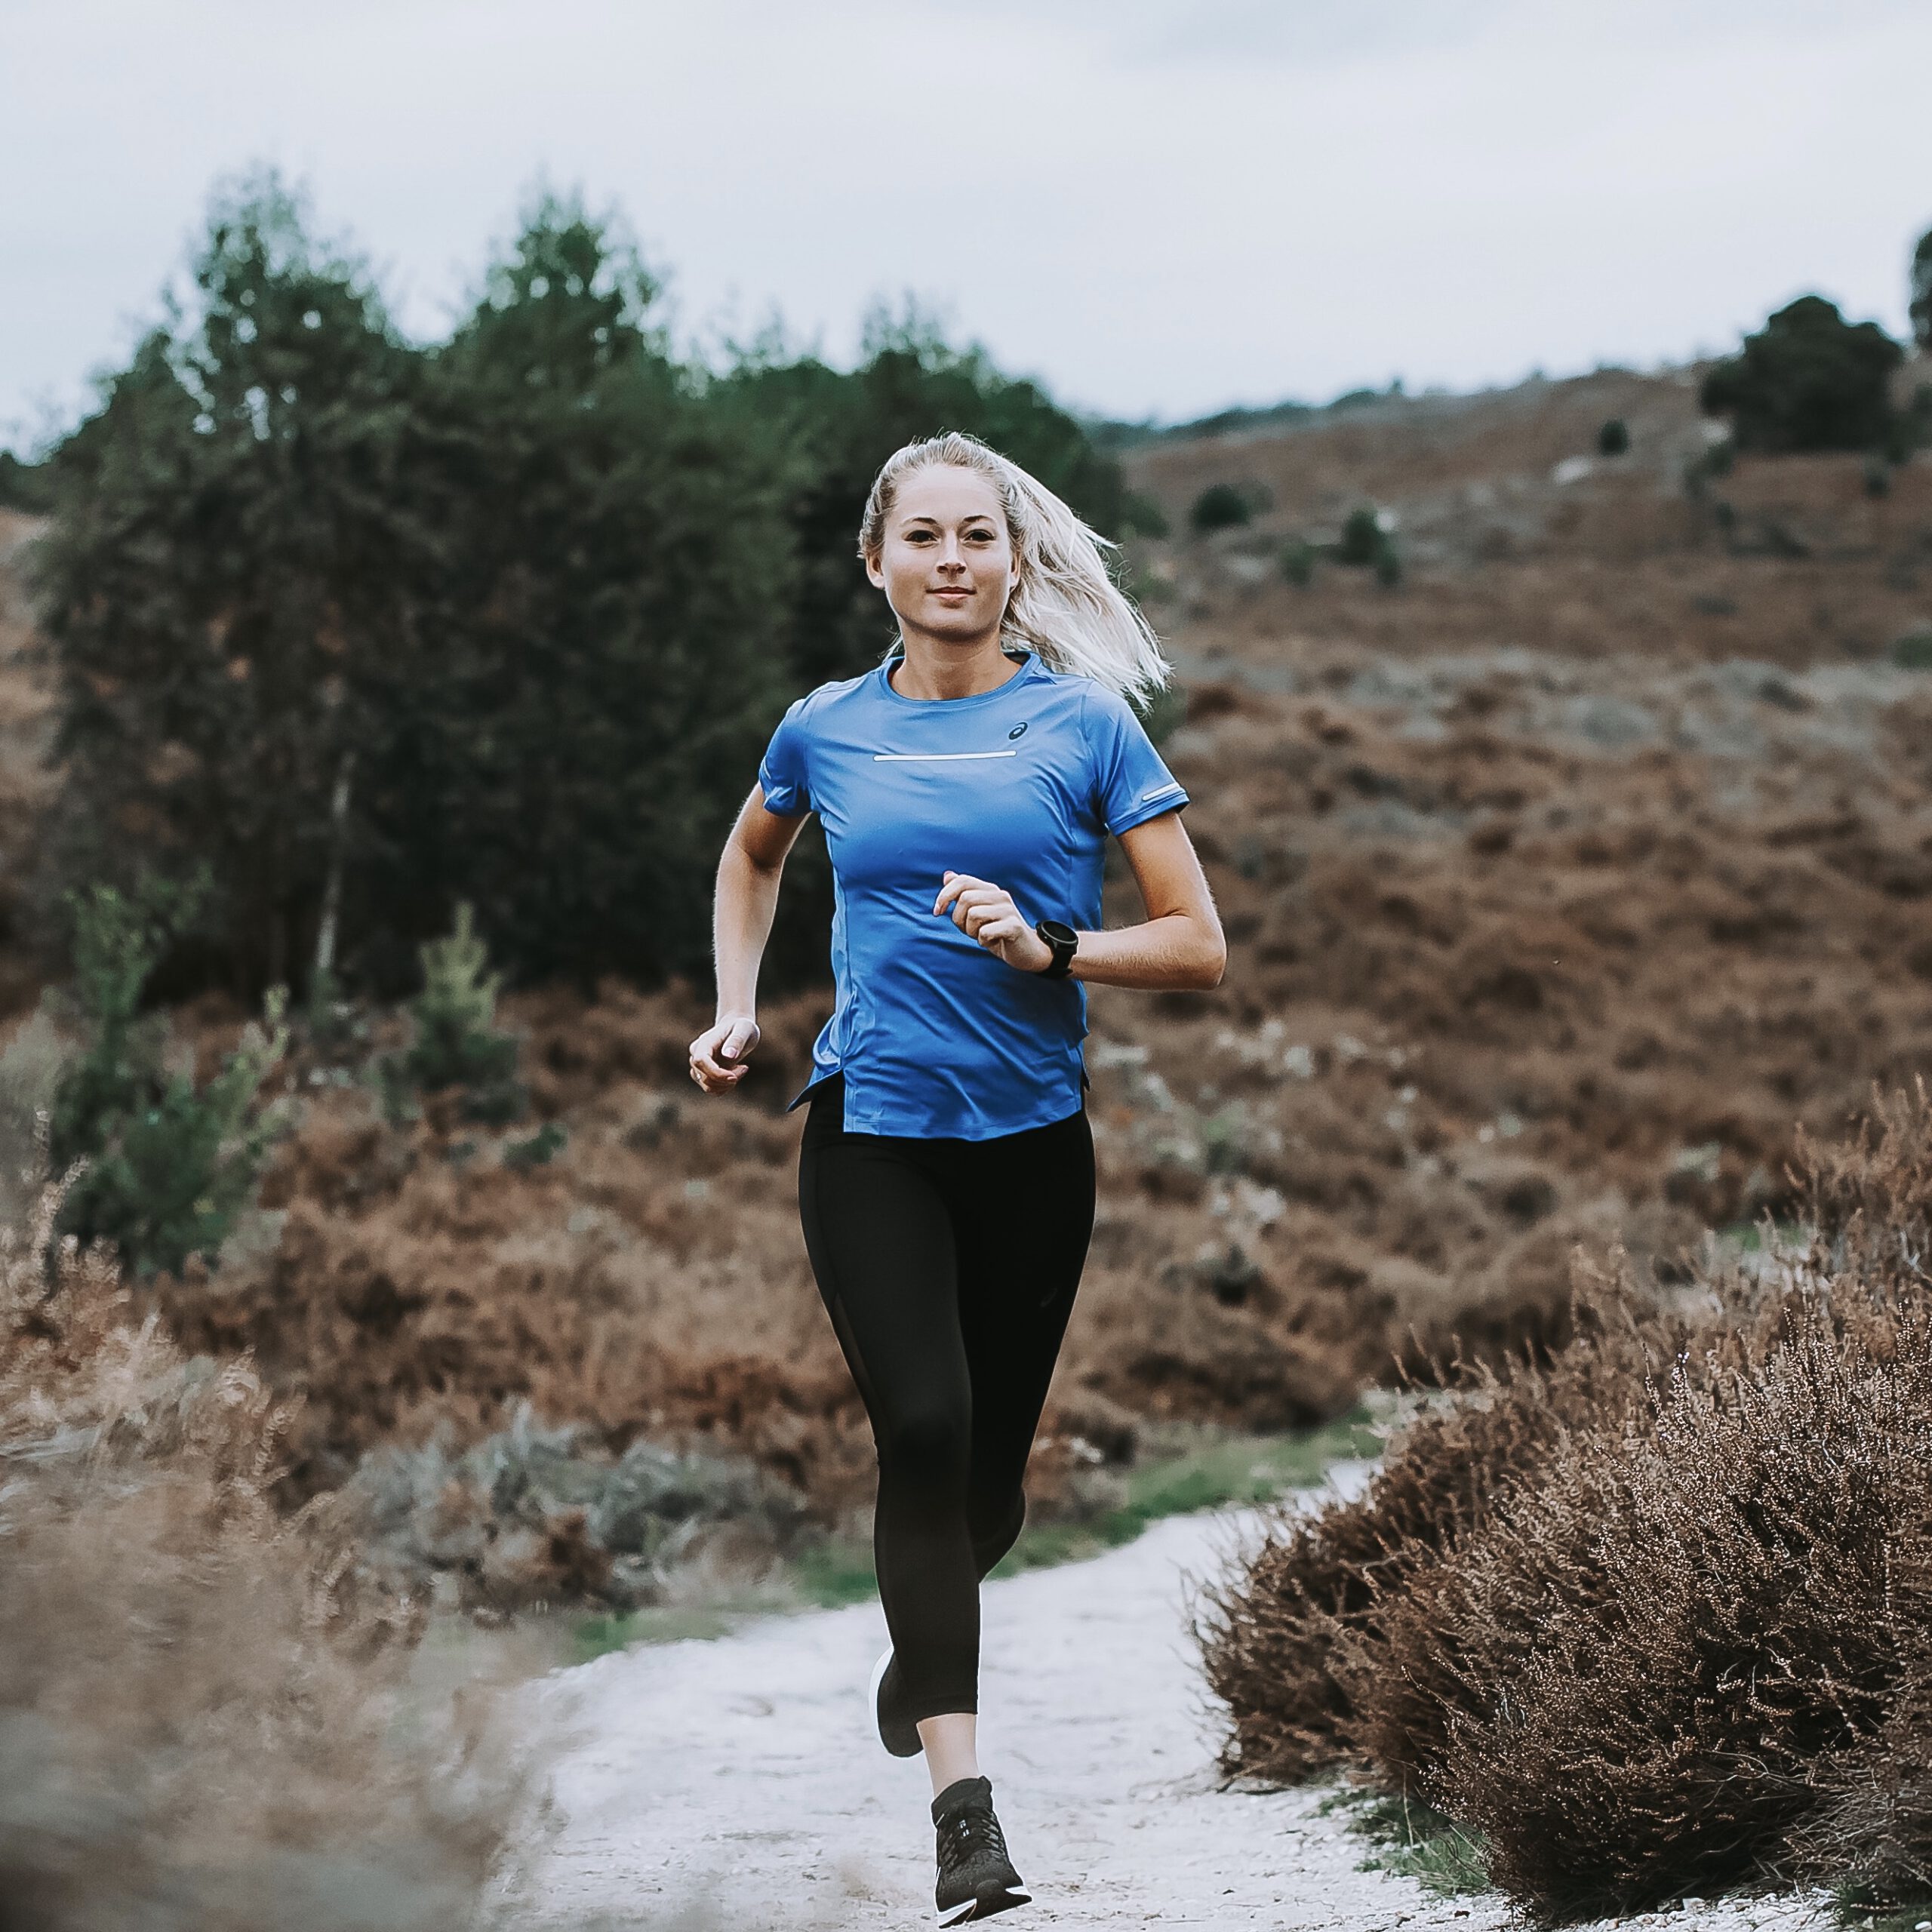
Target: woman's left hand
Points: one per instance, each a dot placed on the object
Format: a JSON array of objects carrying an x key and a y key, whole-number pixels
[{"x": 985, "y": 912}]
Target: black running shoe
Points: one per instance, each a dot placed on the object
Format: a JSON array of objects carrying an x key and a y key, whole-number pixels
[
  {"x": 976, "y": 1877},
  {"x": 898, "y": 1732}
]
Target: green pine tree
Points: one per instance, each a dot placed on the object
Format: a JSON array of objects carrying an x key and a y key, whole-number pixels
[{"x": 169, "y": 1164}]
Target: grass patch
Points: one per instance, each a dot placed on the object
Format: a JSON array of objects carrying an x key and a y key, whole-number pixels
[
  {"x": 1210, "y": 1471},
  {"x": 1412, "y": 1840},
  {"x": 1749, "y": 1236},
  {"x": 1857, "y": 1906},
  {"x": 1235, "y": 1470},
  {"x": 596, "y": 1636},
  {"x": 834, "y": 1573}
]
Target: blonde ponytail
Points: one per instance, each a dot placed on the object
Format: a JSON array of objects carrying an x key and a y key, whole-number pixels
[{"x": 1065, "y": 606}]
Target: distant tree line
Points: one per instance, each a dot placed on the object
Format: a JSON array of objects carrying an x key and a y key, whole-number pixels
[{"x": 372, "y": 629}]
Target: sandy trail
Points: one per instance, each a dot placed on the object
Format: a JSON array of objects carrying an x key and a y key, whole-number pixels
[{"x": 737, "y": 1783}]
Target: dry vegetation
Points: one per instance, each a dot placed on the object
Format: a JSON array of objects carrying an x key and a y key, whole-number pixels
[
  {"x": 1651, "y": 1618},
  {"x": 200, "y": 1696},
  {"x": 1563, "y": 884}
]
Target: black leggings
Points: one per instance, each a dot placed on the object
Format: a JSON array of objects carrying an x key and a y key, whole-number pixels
[{"x": 948, "y": 1268}]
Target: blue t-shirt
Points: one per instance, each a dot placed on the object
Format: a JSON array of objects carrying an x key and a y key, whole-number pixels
[{"x": 1019, "y": 785}]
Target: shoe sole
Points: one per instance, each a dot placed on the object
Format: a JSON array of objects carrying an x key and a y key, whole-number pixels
[
  {"x": 906, "y": 1744},
  {"x": 990, "y": 1899}
]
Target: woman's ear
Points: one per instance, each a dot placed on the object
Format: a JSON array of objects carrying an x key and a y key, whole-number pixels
[{"x": 874, "y": 575}]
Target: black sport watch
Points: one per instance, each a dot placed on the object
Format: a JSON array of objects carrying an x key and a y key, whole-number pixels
[{"x": 1065, "y": 942}]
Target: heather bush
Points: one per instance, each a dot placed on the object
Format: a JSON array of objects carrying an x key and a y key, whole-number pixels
[
  {"x": 1613, "y": 438},
  {"x": 206, "y": 1720},
  {"x": 536, "y": 1514},
  {"x": 1651, "y": 1617}
]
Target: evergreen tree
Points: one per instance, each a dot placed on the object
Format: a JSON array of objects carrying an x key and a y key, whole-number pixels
[
  {"x": 231, "y": 581},
  {"x": 169, "y": 1164},
  {"x": 911, "y": 382},
  {"x": 1807, "y": 381},
  {"x": 375, "y": 629},
  {"x": 600, "y": 671},
  {"x": 456, "y": 1041},
  {"x": 1921, "y": 291}
]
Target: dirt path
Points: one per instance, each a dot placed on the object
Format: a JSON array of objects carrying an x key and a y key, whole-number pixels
[{"x": 737, "y": 1784}]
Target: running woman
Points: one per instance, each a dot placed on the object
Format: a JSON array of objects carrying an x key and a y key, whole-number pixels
[{"x": 966, "y": 785}]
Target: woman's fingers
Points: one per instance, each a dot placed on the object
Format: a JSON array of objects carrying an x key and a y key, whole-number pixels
[{"x": 719, "y": 1055}]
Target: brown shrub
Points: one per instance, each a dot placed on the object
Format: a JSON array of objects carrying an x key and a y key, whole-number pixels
[
  {"x": 1653, "y": 1618},
  {"x": 198, "y": 1698}
]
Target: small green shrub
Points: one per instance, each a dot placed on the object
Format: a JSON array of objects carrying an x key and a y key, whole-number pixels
[
  {"x": 1142, "y": 516},
  {"x": 1361, "y": 538},
  {"x": 1221, "y": 506},
  {"x": 522, "y": 1155},
  {"x": 1298, "y": 562},
  {"x": 170, "y": 1164},
  {"x": 456, "y": 1043},
  {"x": 1913, "y": 651},
  {"x": 1614, "y": 438},
  {"x": 1366, "y": 544},
  {"x": 1719, "y": 460}
]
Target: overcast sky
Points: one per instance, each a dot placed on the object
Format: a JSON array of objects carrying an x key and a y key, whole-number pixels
[{"x": 1159, "y": 207}]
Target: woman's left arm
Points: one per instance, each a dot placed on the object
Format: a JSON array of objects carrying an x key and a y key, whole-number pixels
[{"x": 1179, "y": 945}]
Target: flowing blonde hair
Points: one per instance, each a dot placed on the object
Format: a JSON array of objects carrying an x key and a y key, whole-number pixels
[{"x": 1065, "y": 605}]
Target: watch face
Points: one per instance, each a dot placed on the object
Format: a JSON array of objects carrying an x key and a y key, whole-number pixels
[{"x": 1058, "y": 930}]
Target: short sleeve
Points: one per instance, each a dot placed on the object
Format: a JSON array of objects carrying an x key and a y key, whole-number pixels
[
  {"x": 781, "y": 772},
  {"x": 1131, "y": 782}
]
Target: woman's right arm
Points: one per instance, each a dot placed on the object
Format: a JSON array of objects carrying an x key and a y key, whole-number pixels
[{"x": 749, "y": 870}]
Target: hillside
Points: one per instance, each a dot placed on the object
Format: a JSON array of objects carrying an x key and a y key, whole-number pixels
[{"x": 1562, "y": 882}]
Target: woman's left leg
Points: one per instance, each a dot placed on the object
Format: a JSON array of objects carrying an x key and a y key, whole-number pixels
[{"x": 1023, "y": 1217}]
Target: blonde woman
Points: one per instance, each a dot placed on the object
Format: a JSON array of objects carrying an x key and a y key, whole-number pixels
[{"x": 966, "y": 785}]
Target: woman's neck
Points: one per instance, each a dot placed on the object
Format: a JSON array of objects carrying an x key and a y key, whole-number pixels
[{"x": 930, "y": 670}]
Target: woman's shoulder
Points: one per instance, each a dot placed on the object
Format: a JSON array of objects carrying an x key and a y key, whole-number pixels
[
  {"x": 815, "y": 701},
  {"x": 1095, "y": 706}
]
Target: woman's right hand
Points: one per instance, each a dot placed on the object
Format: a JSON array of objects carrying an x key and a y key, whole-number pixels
[{"x": 719, "y": 1053}]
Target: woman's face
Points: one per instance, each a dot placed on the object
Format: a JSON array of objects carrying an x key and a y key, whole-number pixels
[{"x": 945, "y": 561}]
